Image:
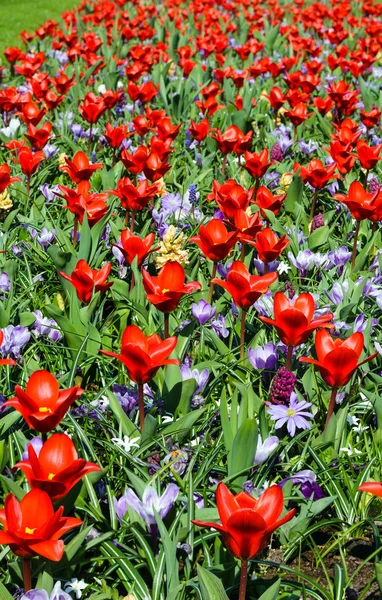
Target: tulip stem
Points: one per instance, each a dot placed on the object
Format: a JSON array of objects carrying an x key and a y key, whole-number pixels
[
  {"x": 141, "y": 405},
  {"x": 44, "y": 437},
  {"x": 354, "y": 253},
  {"x": 243, "y": 579},
  {"x": 132, "y": 222},
  {"x": 224, "y": 164},
  {"x": 27, "y": 575},
  {"x": 212, "y": 283},
  {"x": 242, "y": 333},
  {"x": 332, "y": 404},
  {"x": 90, "y": 139},
  {"x": 75, "y": 229},
  {"x": 242, "y": 253},
  {"x": 166, "y": 325},
  {"x": 265, "y": 268},
  {"x": 28, "y": 185},
  {"x": 289, "y": 358},
  {"x": 313, "y": 207}
]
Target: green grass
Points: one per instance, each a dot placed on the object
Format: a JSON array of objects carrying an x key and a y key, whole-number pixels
[{"x": 17, "y": 15}]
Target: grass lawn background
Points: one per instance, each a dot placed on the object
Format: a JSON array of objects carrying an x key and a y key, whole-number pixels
[{"x": 17, "y": 15}]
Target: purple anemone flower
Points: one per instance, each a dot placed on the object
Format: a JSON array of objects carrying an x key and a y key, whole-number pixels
[
  {"x": 294, "y": 415},
  {"x": 307, "y": 480}
]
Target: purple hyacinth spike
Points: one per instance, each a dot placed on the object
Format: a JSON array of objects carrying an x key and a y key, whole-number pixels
[{"x": 282, "y": 386}]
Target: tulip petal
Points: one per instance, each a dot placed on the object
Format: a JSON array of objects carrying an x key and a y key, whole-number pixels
[
  {"x": 246, "y": 528},
  {"x": 43, "y": 387},
  {"x": 50, "y": 549},
  {"x": 270, "y": 504},
  {"x": 372, "y": 487},
  {"x": 226, "y": 503}
]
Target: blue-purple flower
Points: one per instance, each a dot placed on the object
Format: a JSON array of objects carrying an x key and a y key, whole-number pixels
[
  {"x": 307, "y": 481},
  {"x": 15, "y": 338},
  {"x": 294, "y": 416},
  {"x": 202, "y": 312},
  {"x": 265, "y": 448},
  {"x": 150, "y": 501},
  {"x": 263, "y": 357}
]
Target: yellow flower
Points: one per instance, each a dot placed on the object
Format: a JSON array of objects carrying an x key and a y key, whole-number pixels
[
  {"x": 61, "y": 159},
  {"x": 286, "y": 180},
  {"x": 60, "y": 301},
  {"x": 5, "y": 201},
  {"x": 162, "y": 187},
  {"x": 170, "y": 248}
]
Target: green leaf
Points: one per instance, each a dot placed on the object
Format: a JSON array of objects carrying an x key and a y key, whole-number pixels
[
  {"x": 4, "y": 594},
  {"x": 128, "y": 427},
  {"x": 210, "y": 586},
  {"x": 243, "y": 450},
  {"x": 319, "y": 237},
  {"x": 294, "y": 195},
  {"x": 272, "y": 592},
  {"x": 129, "y": 576},
  {"x": 182, "y": 426}
]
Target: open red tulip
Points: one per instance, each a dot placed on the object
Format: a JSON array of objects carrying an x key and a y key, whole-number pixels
[
  {"x": 337, "y": 359},
  {"x": 86, "y": 280},
  {"x": 43, "y": 405},
  {"x": 244, "y": 288},
  {"x": 31, "y": 527},
  {"x": 57, "y": 468},
  {"x": 214, "y": 240},
  {"x": 166, "y": 290},
  {"x": 294, "y": 320},
  {"x": 247, "y": 523},
  {"x": 80, "y": 168},
  {"x": 372, "y": 487},
  {"x": 133, "y": 246},
  {"x": 142, "y": 355}
]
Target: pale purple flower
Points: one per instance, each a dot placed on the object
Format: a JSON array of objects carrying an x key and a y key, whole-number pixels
[
  {"x": 333, "y": 187},
  {"x": 303, "y": 261},
  {"x": 308, "y": 147},
  {"x": 265, "y": 448},
  {"x": 338, "y": 292},
  {"x": 201, "y": 377},
  {"x": 45, "y": 326},
  {"x": 293, "y": 415},
  {"x": 38, "y": 594},
  {"x": 49, "y": 192},
  {"x": 14, "y": 340},
  {"x": 127, "y": 397},
  {"x": 264, "y": 305},
  {"x": 272, "y": 266},
  {"x": 219, "y": 326},
  {"x": 50, "y": 150},
  {"x": 263, "y": 357},
  {"x": 45, "y": 237},
  {"x": 5, "y": 283},
  {"x": 172, "y": 202},
  {"x": 307, "y": 481},
  {"x": 36, "y": 442},
  {"x": 223, "y": 269},
  {"x": 202, "y": 312},
  {"x": 360, "y": 323},
  {"x": 145, "y": 507},
  {"x": 339, "y": 257}
]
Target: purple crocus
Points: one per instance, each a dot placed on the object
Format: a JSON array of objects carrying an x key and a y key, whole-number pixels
[
  {"x": 265, "y": 448},
  {"x": 294, "y": 415},
  {"x": 263, "y": 357},
  {"x": 5, "y": 283},
  {"x": 45, "y": 237},
  {"x": 272, "y": 266},
  {"x": 338, "y": 292},
  {"x": 219, "y": 326},
  {"x": 201, "y": 377},
  {"x": 308, "y": 147},
  {"x": 308, "y": 481},
  {"x": 303, "y": 261},
  {"x": 338, "y": 258},
  {"x": 127, "y": 397},
  {"x": 202, "y": 312},
  {"x": 36, "y": 442},
  {"x": 145, "y": 507},
  {"x": 45, "y": 326},
  {"x": 14, "y": 340},
  {"x": 49, "y": 192},
  {"x": 38, "y": 594}
]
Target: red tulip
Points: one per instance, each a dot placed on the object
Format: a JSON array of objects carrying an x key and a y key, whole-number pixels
[
  {"x": 80, "y": 169},
  {"x": 31, "y": 527},
  {"x": 166, "y": 290},
  {"x": 5, "y": 177},
  {"x": 257, "y": 164},
  {"x": 57, "y": 468},
  {"x": 342, "y": 156},
  {"x": 247, "y": 523},
  {"x": 30, "y": 113},
  {"x": 42, "y": 404},
  {"x": 316, "y": 174},
  {"x": 371, "y": 118},
  {"x": 39, "y": 137},
  {"x": 362, "y": 204},
  {"x": 143, "y": 356},
  {"x": 265, "y": 200},
  {"x": 231, "y": 197},
  {"x": 133, "y": 246},
  {"x": 244, "y": 288},
  {"x": 62, "y": 83},
  {"x": 298, "y": 115},
  {"x": 87, "y": 280},
  {"x": 276, "y": 98},
  {"x": 371, "y": 487},
  {"x": 134, "y": 163},
  {"x": 214, "y": 240},
  {"x": 144, "y": 92},
  {"x": 368, "y": 156},
  {"x": 233, "y": 140},
  {"x": 294, "y": 320},
  {"x": 133, "y": 197},
  {"x": 155, "y": 167},
  {"x": 92, "y": 108},
  {"x": 269, "y": 246},
  {"x": 115, "y": 135},
  {"x": 166, "y": 130},
  {"x": 199, "y": 131},
  {"x": 29, "y": 161},
  {"x": 246, "y": 227},
  {"x": 323, "y": 105},
  {"x": 80, "y": 202},
  {"x": 337, "y": 359}
]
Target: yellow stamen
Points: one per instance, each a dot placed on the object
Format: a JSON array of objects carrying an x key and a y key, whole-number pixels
[
  {"x": 165, "y": 291},
  {"x": 50, "y": 476},
  {"x": 290, "y": 412},
  {"x": 45, "y": 409},
  {"x": 30, "y": 531}
]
